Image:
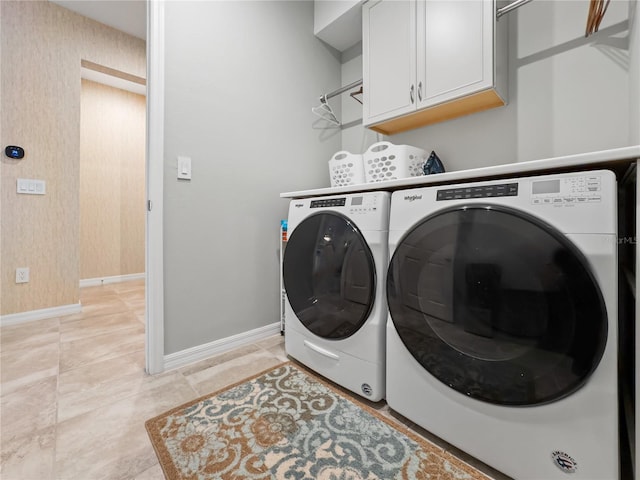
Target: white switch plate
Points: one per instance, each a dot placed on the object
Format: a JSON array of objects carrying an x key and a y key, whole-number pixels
[
  {"x": 30, "y": 186},
  {"x": 184, "y": 168},
  {"x": 22, "y": 275}
]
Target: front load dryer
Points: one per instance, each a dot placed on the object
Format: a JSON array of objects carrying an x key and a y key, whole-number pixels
[
  {"x": 334, "y": 269},
  {"x": 502, "y": 333}
]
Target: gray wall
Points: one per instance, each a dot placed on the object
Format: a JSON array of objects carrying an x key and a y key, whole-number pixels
[
  {"x": 241, "y": 78},
  {"x": 567, "y": 94}
]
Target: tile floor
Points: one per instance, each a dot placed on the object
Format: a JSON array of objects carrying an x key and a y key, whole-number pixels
[{"x": 74, "y": 395}]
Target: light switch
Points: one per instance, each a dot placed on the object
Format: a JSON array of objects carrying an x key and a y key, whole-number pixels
[
  {"x": 184, "y": 168},
  {"x": 31, "y": 187}
]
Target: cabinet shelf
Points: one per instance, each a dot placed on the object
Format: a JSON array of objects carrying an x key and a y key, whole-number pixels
[
  {"x": 474, "y": 103},
  {"x": 617, "y": 159}
]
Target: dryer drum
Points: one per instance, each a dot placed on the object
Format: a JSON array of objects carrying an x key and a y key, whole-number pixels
[
  {"x": 329, "y": 275},
  {"x": 497, "y": 304}
]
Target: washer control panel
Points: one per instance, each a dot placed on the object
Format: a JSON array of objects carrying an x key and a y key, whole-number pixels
[
  {"x": 567, "y": 191},
  {"x": 329, "y": 202},
  {"x": 360, "y": 204},
  {"x": 353, "y": 205}
]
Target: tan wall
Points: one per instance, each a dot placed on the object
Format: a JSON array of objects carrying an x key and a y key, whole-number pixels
[
  {"x": 112, "y": 179},
  {"x": 42, "y": 45}
]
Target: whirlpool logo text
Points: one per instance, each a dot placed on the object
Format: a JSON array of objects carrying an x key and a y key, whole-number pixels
[
  {"x": 564, "y": 461},
  {"x": 411, "y": 198}
]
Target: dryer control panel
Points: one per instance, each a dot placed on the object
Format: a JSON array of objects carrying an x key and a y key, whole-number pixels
[
  {"x": 566, "y": 191},
  {"x": 481, "y": 191},
  {"x": 575, "y": 203}
]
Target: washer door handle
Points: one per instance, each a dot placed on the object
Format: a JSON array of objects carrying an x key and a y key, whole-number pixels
[{"x": 321, "y": 351}]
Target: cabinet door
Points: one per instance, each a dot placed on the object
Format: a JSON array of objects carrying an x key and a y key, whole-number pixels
[
  {"x": 389, "y": 59},
  {"x": 455, "y": 49}
]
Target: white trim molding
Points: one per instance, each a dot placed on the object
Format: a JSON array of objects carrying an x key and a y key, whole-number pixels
[
  {"x": 154, "y": 320},
  {"x": 33, "y": 315},
  {"x": 194, "y": 354},
  {"x": 112, "y": 81},
  {"x": 93, "y": 282}
]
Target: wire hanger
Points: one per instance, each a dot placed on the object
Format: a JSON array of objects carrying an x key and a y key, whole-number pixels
[{"x": 325, "y": 112}]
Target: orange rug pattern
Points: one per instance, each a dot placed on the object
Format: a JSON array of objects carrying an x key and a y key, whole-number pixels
[{"x": 287, "y": 424}]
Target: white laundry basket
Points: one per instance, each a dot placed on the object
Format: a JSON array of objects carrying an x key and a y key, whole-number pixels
[
  {"x": 346, "y": 168},
  {"x": 386, "y": 161}
]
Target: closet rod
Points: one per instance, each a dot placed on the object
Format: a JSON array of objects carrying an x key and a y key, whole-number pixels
[
  {"x": 512, "y": 6},
  {"x": 327, "y": 96}
]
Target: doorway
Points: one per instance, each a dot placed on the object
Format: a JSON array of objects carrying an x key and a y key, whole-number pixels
[
  {"x": 112, "y": 193},
  {"x": 112, "y": 179}
]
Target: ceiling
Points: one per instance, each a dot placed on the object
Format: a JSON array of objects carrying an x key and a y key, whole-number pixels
[{"x": 129, "y": 16}]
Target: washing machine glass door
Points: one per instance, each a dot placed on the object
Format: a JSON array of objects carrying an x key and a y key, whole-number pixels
[
  {"x": 497, "y": 305},
  {"x": 329, "y": 275}
]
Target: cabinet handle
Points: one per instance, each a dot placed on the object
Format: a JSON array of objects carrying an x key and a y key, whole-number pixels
[
  {"x": 420, "y": 91},
  {"x": 411, "y": 90}
]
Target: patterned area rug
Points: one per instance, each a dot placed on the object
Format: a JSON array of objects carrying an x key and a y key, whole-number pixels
[{"x": 288, "y": 424}]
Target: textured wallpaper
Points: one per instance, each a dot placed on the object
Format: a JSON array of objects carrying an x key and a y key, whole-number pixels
[
  {"x": 42, "y": 45},
  {"x": 112, "y": 180}
]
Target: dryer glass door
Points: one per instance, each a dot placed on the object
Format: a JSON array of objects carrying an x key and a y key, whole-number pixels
[
  {"x": 329, "y": 275},
  {"x": 497, "y": 305}
]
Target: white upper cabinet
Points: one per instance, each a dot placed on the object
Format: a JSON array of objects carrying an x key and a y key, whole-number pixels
[
  {"x": 430, "y": 61},
  {"x": 456, "y": 48},
  {"x": 388, "y": 60}
]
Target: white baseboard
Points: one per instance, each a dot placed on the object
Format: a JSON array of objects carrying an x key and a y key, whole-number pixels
[
  {"x": 93, "y": 282},
  {"x": 33, "y": 315},
  {"x": 193, "y": 354}
]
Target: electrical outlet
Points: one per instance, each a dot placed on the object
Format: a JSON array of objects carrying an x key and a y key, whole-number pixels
[{"x": 22, "y": 275}]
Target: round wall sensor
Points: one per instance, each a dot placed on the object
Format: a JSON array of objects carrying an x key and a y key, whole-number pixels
[{"x": 14, "y": 152}]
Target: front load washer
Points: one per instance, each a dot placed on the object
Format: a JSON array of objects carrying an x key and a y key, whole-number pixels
[
  {"x": 334, "y": 269},
  {"x": 502, "y": 333}
]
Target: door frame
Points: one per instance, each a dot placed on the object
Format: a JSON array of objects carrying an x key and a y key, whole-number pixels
[{"x": 154, "y": 291}]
